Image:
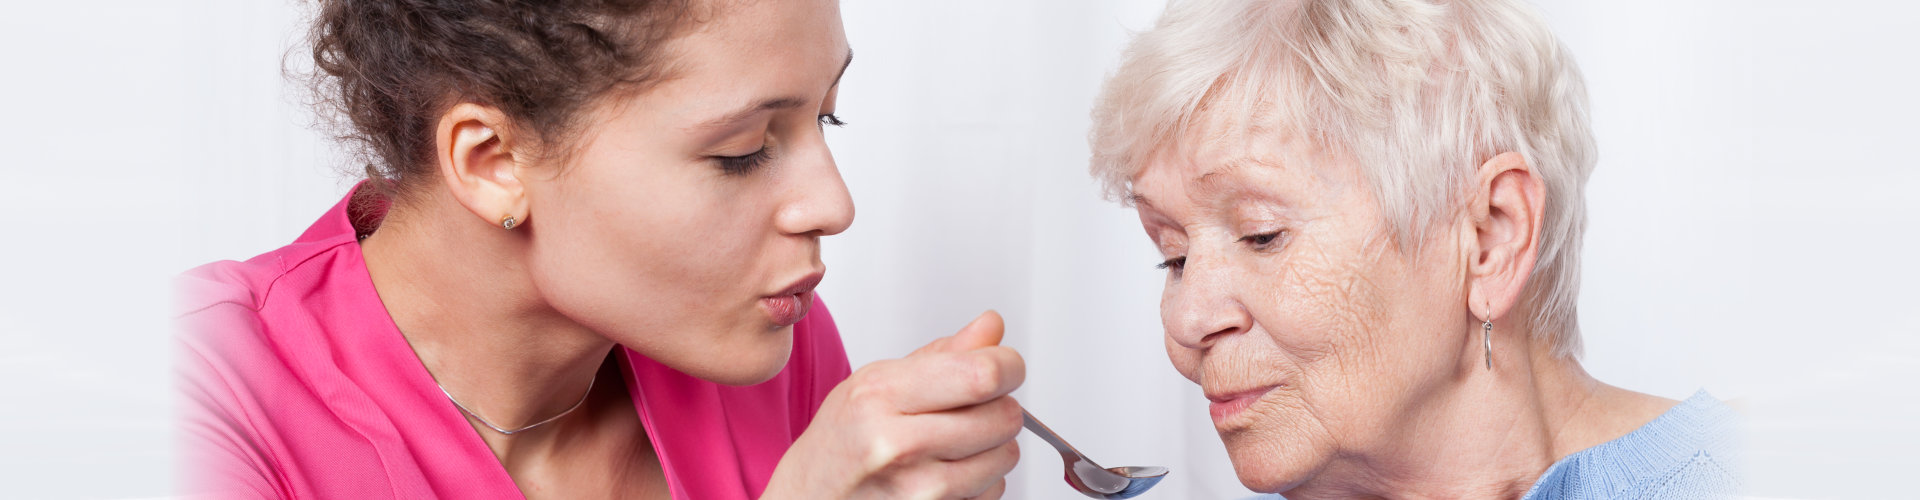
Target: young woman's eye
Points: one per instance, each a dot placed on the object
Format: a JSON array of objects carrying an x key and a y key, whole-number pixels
[
  {"x": 746, "y": 164},
  {"x": 831, "y": 119}
]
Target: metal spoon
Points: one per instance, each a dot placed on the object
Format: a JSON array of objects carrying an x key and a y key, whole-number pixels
[{"x": 1089, "y": 478}]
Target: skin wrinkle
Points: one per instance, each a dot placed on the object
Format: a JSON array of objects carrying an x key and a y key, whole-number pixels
[
  {"x": 1346, "y": 286},
  {"x": 1387, "y": 392},
  {"x": 1340, "y": 297},
  {"x": 1374, "y": 345}
]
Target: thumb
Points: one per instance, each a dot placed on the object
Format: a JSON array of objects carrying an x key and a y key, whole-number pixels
[{"x": 985, "y": 330}]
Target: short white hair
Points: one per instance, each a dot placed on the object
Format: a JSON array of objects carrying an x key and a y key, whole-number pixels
[{"x": 1420, "y": 93}]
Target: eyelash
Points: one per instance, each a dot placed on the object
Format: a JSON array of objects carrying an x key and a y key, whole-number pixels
[
  {"x": 743, "y": 165},
  {"x": 746, "y": 164},
  {"x": 1260, "y": 242},
  {"x": 1264, "y": 239}
]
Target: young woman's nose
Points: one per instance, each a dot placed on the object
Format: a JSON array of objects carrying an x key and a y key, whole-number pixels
[{"x": 820, "y": 204}]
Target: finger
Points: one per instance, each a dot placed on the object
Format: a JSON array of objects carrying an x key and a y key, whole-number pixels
[
  {"x": 937, "y": 345},
  {"x": 985, "y": 330},
  {"x": 998, "y": 490},
  {"x": 948, "y": 380},
  {"x": 964, "y": 432},
  {"x": 981, "y": 474},
  {"x": 988, "y": 327}
]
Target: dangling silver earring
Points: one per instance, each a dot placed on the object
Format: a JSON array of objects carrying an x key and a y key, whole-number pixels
[
  {"x": 1486, "y": 339},
  {"x": 508, "y": 222}
]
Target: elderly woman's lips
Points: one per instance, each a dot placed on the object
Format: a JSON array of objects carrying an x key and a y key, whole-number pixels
[{"x": 1226, "y": 406}]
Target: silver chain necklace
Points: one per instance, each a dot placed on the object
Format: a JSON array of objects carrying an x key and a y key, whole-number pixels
[{"x": 496, "y": 428}]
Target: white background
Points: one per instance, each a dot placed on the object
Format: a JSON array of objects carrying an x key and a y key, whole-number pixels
[{"x": 1753, "y": 221}]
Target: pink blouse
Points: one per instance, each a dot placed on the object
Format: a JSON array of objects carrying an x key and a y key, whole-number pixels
[{"x": 297, "y": 384}]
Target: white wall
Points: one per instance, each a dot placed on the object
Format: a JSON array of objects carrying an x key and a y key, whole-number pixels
[
  {"x": 1754, "y": 224},
  {"x": 1751, "y": 221},
  {"x": 91, "y": 122}
]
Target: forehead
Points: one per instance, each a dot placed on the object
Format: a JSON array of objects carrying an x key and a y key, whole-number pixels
[
  {"x": 755, "y": 49},
  {"x": 1218, "y": 153},
  {"x": 794, "y": 24}
]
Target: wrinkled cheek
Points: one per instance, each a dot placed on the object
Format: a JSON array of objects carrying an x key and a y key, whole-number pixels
[
  {"x": 1278, "y": 454},
  {"x": 1323, "y": 314},
  {"x": 1186, "y": 361},
  {"x": 1183, "y": 360},
  {"x": 1285, "y": 449}
]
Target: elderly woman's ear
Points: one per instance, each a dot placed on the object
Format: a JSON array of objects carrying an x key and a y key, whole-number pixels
[{"x": 1507, "y": 206}]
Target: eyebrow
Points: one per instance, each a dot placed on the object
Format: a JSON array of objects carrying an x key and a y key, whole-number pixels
[
  {"x": 1216, "y": 181},
  {"x": 843, "y": 69},
  {"x": 1137, "y": 199},
  {"x": 1209, "y": 182},
  {"x": 773, "y": 104}
]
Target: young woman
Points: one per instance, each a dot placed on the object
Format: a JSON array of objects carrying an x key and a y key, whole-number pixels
[{"x": 581, "y": 267}]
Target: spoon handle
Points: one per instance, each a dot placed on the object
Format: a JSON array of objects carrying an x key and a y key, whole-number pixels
[{"x": 1040, "y": 429}]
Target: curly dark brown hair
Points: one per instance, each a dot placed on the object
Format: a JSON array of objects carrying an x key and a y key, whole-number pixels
[{"x": 385, "y": 70}]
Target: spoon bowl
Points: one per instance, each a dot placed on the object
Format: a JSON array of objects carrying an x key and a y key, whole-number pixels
[{"x": 1091, "y": 479}]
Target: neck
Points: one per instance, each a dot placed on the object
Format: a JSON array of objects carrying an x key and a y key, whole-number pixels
[
  {"x": 460, "y": 294},
  {"x": 1481, "y": 433}
]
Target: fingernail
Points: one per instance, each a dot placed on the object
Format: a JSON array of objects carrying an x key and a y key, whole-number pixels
[{"x": 976, "y": 319}]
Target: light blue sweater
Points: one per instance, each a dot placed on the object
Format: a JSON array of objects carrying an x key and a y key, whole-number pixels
[{"x": 1687, "y": 452}]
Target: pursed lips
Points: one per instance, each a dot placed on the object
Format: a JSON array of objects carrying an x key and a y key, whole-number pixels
[
  {"x": 803, "y": 285},
  {"x": 790, "y": 304}
]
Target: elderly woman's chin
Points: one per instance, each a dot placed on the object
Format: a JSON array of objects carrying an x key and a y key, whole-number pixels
[{"x": 1268, "y": 450}]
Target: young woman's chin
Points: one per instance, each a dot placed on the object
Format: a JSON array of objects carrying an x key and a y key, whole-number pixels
[
  {"x": 731, "y": 358},
  {"x": 753, "y": 363}
]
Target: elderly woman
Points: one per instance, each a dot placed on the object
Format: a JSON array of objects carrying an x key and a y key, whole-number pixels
[{"x": 1371, "y": 214}]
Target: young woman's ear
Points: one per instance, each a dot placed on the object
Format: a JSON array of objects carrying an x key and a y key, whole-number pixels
[{"x": 475, "y": 150}]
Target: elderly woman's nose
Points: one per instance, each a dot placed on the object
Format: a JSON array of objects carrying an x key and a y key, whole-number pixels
[{"x": 1205, "y": 309}]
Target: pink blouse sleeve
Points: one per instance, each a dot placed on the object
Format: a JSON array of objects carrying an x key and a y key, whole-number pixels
[{"x": 223, "y": 454}]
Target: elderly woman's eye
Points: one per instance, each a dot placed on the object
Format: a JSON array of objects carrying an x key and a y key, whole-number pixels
[
  {"x": 1173, "y": 264},
  {"x": 1261, "y": 240}
]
